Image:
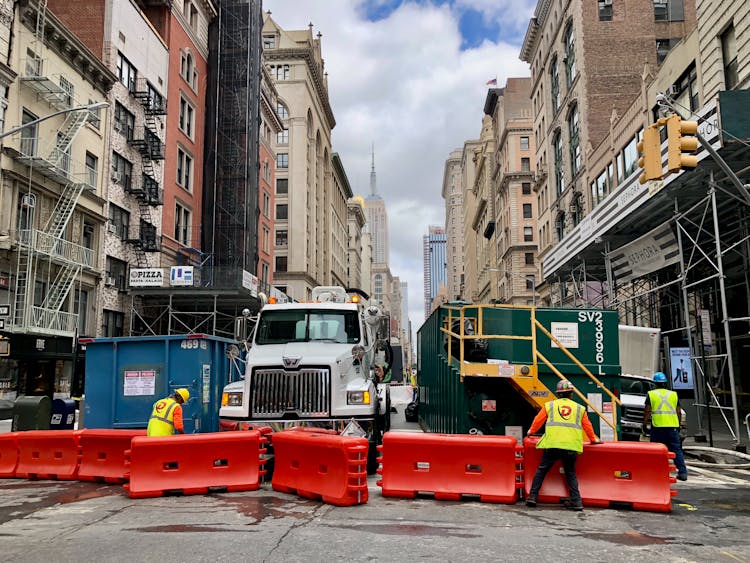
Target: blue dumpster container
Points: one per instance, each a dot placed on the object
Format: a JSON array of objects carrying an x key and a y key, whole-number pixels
[
  {"x": 63, "y": 414},
  {"x": 125, "y": 376}
]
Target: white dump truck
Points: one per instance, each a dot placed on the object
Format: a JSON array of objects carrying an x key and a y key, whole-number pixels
[{"x": 312, "y": 364}]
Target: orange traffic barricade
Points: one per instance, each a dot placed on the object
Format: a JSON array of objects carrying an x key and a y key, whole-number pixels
[
  {"x": 321, "y": 466},
  {"x": 8, "y": 454},
  {"x": 48, "y": 454},
  {"x": 194, "y": 464},
  {"x": 103, "y": 454},
  {"x": 451, "y": 466},
  {"x": 630, "y": 473}
]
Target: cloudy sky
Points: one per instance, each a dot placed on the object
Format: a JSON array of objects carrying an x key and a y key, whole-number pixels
[{"x": 410, "y": 77}]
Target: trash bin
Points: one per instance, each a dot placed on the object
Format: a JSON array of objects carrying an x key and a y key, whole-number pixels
[
  {"x": 31, "y": 413},
  {"x": 63, "y": 414}
]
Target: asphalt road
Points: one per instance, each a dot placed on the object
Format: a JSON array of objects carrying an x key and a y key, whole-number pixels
[{"x": 42, "y": 521}]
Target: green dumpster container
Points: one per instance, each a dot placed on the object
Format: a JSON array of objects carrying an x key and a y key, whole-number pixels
[{"x": 32, "y": 412}]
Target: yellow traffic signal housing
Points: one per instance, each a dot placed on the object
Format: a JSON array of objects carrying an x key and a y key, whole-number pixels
[
  {"x": 650, "y": 151},
  {"x": 677, "y": 143}
]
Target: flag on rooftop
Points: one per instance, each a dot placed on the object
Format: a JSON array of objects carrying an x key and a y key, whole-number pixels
[{"x": 492, "y": 82}]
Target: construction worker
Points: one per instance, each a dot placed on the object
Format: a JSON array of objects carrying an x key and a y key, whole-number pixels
[
  {"x": 166, "y": 417},
  {"x": 380, "y": 375},
  {"x": 565, "y": 422},
  {"x": 663, "y": 407},
  {"x": 413, "y": 386}
]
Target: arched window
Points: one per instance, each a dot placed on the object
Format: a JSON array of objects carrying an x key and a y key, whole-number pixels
[
  {"x": 575, "y": 142},
  {"x": 554, "y": 78},
  {"x": 570, "y": 55},
  {"x": 560, "y": 225},
  {"x": 559, "y": 169}
]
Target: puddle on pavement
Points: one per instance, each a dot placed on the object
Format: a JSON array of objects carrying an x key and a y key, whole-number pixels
[
  {"x": 408, "y": 530},
  {"x": 633, "y": 538},
  {"x": 259, "y": 508},
  {"x": 183, "y": 528}
]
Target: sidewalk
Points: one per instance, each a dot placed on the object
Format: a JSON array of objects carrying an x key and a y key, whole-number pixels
[{"x": 720, "y": 433}]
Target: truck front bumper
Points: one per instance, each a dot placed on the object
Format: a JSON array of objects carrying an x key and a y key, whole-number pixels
[{"x": 337, "y": 424}]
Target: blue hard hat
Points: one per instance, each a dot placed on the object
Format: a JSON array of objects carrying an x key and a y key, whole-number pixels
[{"x": 659, "y": 377}]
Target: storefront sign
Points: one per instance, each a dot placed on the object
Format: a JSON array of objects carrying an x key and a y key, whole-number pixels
[
  {"x": 647, "y": 254},
  {"x": 146, "y": 277},
  {"x": 181, "y": 276}
]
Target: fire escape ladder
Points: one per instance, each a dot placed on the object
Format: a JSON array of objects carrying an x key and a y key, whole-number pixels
[
  {"x": 63, "y": 211},
  {"x": 23, "y": 288},
  {"x": 58, "y": 291}
]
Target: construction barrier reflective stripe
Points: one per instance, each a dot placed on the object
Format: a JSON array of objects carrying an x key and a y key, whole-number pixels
[
  {"x": 633, "y": 473},
  {"x": 103, "y": 454},
  {"x": 48, "y": 454},
  {"x": 321, "y": 466},
  {"x": 450, "y": 466},
  {"x": 194, "y": 464},
  {"x": 8, "y": 454}
]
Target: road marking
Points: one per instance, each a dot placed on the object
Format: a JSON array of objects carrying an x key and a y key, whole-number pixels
[{"x": 712, "y": 475}]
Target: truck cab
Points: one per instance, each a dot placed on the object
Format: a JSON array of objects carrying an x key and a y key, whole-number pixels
[{"x": 310, "y": 364}]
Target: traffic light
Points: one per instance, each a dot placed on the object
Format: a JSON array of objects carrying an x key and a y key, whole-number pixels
[
  {"x": 677, "y": 143},
  {"x": 650, "y": 151}
]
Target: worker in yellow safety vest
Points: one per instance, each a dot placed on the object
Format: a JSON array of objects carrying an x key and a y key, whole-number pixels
[
  {"x": 414, "y": 387},
  {"x": 166, "y": 416},
  {"x": 565, "y": 422},
  {"x": 663, "y": 406}
]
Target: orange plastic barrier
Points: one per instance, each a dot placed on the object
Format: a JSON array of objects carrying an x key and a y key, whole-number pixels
[
  {"x": 321, "y": 466},
  {"x": 450, "y": 466},
  {"x": 103, "y": 454},
  {"x": 195, "y": 464},
  {"x": 8, "y": 454},
  {"x": 48, "y": 454},
  {"x": 634, "y": 473}
]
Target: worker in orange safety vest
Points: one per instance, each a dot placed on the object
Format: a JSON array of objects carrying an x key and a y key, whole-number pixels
[
  {"x": 166, "y": 416},
  {"x": 565, "y": 422}
]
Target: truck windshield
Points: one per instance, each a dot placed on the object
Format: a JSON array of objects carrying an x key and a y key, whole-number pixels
[{"x": 282, "y": 327}]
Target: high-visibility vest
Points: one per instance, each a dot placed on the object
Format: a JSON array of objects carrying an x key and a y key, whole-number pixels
[
  {"x": 161, "y": 422},
  {"x": 663, "y": 408},
  {"x": 413, "y": 380},
  {"x": 563, "y": 429}
]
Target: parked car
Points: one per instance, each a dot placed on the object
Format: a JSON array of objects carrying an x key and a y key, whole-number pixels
[{"x": 633, "y": 391}]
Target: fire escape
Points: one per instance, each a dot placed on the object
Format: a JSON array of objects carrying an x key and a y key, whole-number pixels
[
  {"x": 46, "y": 250},
  {"x": 148, "y": 192}
]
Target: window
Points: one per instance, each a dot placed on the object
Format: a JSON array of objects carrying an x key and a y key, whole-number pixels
[
  {"x": 525, "y": 165},
  {"x": 266, "y": 240},
  {"x": 282, "y": 186},
  {"x": 266, "y": 205},
  {"x": 112, "y": 322},
  {"x": 729, "y": 55},
  {"x": 281, "y": 111},
  {"x": 186, "y": 117},
  {"x": 182, "y": 224},
  {"x": 81, "y": 306},
  {"x": 605, "y": 10},
  {"x": 554, "y": 77},
  {"x": 282, "y": 238},
  {"x": 524, "y": 143},
  {"x": 528, "y": 234},
  {"x": 282, "y": 212},
  {"x": 687, "y": 89},
  {"x": 669, "y": 10},
  {"x": 570, "y": 56},
  {"x": 530, "y": 282},
  {"x": 269, "y": 41},
  {"x": 281, "y": 263},
  {"x": 92, "y": 165},
  {"x": 122, "y": 170},
  {"x": 126, "y": 72},
  {"x": 282, "y": 161},
  {"x": 663, "y": 46},
  {"x": 280, "y": 72},
  {"x": 629, "y": 160},
  {"x": 193, "y": 17},
  {"x": 559, "y": 174},
  {"x": 95, "y": 115},
  {"x": 155, "y": 99},
  {"x": 560, "y": 226},
  {"x": 575, "y": 144},
  {"x": 184, "y": 169},
  {"x": 29, "y": 134},
  {"x": 282, "y": 137},
  {"x": 266, "y": 171},
  {"x": 87, "y": 236},
  {"x": 124, "y": 121},
  {"x": 117, "y": 273},
  {"x": 264, "y": 273},
  {"x": 69, "y": 89},
  {"x": 529, "y": 258},
  {"x": 120, "y": 220},
  {"x": 526, "y": 188},
  {"x": 188, "y": 70},
  {"x": 527, "y": 211}
]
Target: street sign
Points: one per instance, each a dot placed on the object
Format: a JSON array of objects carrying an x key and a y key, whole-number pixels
[{"x": 4, "y": 310}]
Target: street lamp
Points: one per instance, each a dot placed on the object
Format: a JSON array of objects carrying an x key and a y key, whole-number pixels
[{"x": 90, "y": 107}]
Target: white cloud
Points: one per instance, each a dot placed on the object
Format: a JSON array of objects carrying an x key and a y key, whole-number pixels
[{"x": 404, "y": 84}]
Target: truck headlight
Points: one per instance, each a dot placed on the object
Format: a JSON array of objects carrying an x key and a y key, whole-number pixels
[
  {"x": 231, "y": 399},
  {"x": 357, "y": 397}
]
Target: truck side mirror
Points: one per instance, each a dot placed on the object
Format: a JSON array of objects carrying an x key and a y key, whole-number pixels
[{"x": 240, "y": 329}]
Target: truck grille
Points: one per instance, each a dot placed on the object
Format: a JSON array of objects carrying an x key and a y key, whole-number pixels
[
  {"x": 277, "y": 393},
  {"x": 632, "y": 414}
]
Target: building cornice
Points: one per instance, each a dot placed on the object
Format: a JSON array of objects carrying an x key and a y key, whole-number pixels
[
  {"x": 532, "y": 32},
  {"x": 306, "y": 55},
  {"x": 339, "y": 167}
]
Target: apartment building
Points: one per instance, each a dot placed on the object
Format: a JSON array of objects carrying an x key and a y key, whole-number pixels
[
  {"x": 468, "y": 176},
  {"x": 355, "y": 252},
  {"x": 337, "y": 227},
  {"x": 452, "y": 193},
  {"x": 53, "y": 193},
  {"x": 578, "y": 81},
  {"x": 296, "y": 63}
]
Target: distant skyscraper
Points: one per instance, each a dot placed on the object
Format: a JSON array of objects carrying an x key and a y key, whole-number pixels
[
  {"x": 435, "y": 264},
  {"x": 377, "y": 220}
]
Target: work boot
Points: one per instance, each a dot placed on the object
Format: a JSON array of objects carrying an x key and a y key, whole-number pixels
[
  {"x": 682, "y": 476},
  {"x": 531, "y": 502},
  {"x": 573, "y": 505}
]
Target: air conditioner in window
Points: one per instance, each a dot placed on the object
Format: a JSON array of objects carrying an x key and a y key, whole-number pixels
[
  {"x": 112, "y": 228},
  {"x": 109, "y": 280}
]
